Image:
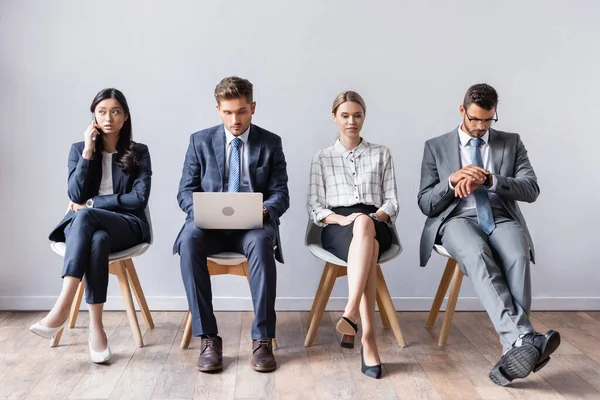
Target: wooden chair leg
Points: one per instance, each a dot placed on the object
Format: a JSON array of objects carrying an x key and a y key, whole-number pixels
[
  {"x": 388, "y": 306},
  {"x": 138, "y": 292},
  {"x": 187, "y": 331},
  {"x": 120, "y": 270},
  {"x": 317, "y": 295},
  {"x": 384, "y": 319},
  {"x": 441, "y": 293},
  {"x": 452, "y": 299},
  {"x": 76, "y": 304},
  {"x": 331, "y": 276}
]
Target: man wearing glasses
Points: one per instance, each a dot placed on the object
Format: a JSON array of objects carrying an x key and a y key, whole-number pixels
[{"x": 471, "y": 180}]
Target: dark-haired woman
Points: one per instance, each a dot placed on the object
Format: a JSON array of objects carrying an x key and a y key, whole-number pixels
[{"x": 109, "y": 186}]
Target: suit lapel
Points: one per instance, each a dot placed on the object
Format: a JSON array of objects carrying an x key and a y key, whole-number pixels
[
  {"x": 218, "y": 142},
  {"x": 453, "y": 151},
  {"x": 496, "y": 150},
  {"x": 254, "y": 149}
]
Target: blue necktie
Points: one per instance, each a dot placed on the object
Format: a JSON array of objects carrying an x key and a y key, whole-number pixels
[
  {"x": 233, "y": 184},
  {"x": 482, "y": 201}
]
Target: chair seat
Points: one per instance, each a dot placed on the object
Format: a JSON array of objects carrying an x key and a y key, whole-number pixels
[
  {"x": 441, "y": 250},
  {"x": 227, "y": 258},
  {"x": 137, "y": 250},
  {"x": 326, "y": 256}
]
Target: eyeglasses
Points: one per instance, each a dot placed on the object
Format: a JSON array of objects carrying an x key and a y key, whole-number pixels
[{"x": 476, "y": 121}]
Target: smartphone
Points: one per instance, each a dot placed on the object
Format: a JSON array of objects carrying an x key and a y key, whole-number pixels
[{"x": 98, "y": 137}]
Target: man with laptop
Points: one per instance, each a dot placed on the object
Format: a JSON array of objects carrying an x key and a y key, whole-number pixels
[{"x": 234, "y": 190}]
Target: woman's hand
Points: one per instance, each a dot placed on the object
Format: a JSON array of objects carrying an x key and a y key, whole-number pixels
[
  {"x": 76, "y": 207},
  {"x": 340, "y": 219},
  {"x": 89, "y": 138}
]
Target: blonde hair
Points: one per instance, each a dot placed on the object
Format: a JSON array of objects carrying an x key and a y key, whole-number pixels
[
  {"x": 234, "y": 87},
  {"x": 348, "y": 95}
]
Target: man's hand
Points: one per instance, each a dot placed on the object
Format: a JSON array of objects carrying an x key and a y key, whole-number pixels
[
  {"x": 465, "y": 187},
  {"x": 471, "y": 173}
]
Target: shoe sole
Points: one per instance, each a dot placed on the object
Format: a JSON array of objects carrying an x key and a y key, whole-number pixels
[
  {"x": 263, "y": 369},
  {"x": 551, "y": 345},
  {"x": 517, "y": 363},
  {"x": 210, "y": 369},
  {"x": 345, "y": 328}
]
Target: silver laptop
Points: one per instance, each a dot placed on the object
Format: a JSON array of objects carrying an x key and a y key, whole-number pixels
[{"x": 228, "y": 210}]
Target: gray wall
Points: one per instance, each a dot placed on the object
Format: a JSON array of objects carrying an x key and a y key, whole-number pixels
[{"x": 412, "y": 62}]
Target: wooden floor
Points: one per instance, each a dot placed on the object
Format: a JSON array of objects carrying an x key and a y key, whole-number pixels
[{"x": 30, "y": 369}]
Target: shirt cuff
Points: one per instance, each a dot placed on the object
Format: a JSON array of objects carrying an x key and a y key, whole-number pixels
[
  {"x": 318, "y": 216},
  {"x": 494, "y": 183},
  {"x": 450, "y": 182}
]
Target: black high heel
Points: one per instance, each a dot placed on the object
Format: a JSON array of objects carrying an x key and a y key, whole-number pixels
[
  {"x": 348, "y": 329},
  {"x": 372, "y": 371}
]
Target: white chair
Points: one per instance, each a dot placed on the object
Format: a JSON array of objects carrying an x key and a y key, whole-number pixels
[
  {"x": 121, "y": 265},
  {"x": 453, "y": 274},
  {"x": 227, "y": 263},
  {"x": 335, "y": 268}
]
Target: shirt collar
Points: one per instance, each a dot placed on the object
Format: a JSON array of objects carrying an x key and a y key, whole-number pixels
[
  {"x": 464, "y": 137},
  {"x": 230, "y": 136},
  {"x": 355, "y": 152}
]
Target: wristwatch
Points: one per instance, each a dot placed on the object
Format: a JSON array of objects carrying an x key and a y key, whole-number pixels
[
  {"x": 374, "y": 216},
  {"x": 265, "y": 211},
  {"x": 90, "y": 203}
]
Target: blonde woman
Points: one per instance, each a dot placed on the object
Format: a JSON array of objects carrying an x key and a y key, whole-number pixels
[{"x": 353, "y": 196}]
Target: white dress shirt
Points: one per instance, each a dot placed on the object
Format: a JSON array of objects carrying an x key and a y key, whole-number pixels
[
  {"x": 340, "y": 178},
  {"x": 244, "y": 170},
  {"x": 106, "y": 182},
  {"x": 465, "y": 159}
]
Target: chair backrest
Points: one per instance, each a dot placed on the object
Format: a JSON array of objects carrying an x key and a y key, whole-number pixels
[{"x": 147, "y": 212}]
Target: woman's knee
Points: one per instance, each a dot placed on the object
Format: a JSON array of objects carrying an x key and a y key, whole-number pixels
[{"x": 364, "y": 226}]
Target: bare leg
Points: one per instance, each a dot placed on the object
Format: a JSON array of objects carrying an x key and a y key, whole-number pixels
[
  {"x": 97, "y": 335},
  {"x": 360, "y": 258},
  {"x": 367, "y": 312},
  {"x": 60, "y": 311}
]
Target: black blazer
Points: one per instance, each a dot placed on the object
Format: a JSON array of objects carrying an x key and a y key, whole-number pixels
[{"x": 131, "y": 191}]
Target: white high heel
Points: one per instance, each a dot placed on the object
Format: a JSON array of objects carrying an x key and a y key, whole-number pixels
[
  {"x": 46, "y": 331},
  {"x": 99, "y": 357}
]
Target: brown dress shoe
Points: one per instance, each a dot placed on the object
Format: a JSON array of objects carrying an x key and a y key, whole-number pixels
[
  {"x": 262, "y": 356},
  {"x": 211, "y": 354}
]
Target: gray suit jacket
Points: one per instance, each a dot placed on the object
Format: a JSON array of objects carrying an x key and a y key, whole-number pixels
[
  {"x": 516, "y": 181},
  {"x": 204, "y": 171}
]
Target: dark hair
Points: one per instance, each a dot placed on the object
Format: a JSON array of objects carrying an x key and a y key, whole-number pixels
[
  {"x": 482, "y": 95},
  {"x": 127, "y": 157},
  {"x": 234, "y": 87}
]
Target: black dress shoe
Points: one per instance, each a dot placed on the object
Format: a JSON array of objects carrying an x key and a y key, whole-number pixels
[
  {"x": 211, "y": 354},
  {"x": 348, "y": 329},
  {"x": 516, "y": 363},
  {"x": 545, "y": 344},
  {"x": 372, "y": 371},
  {"x": 263, "y": 359}
]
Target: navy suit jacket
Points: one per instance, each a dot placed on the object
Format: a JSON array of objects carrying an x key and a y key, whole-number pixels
[
  {"x": 131, "y": 191},
  {"x": 204, "y": 171}
]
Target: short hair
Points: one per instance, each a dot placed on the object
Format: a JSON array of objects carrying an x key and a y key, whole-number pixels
[
  {"x": 482, "y": 95},
  {"x": 348, "y": 95},
  {"x": 234, "y": 87}
]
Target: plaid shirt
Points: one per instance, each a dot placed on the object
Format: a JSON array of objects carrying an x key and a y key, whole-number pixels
[{"x": 342, "y": 178}]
